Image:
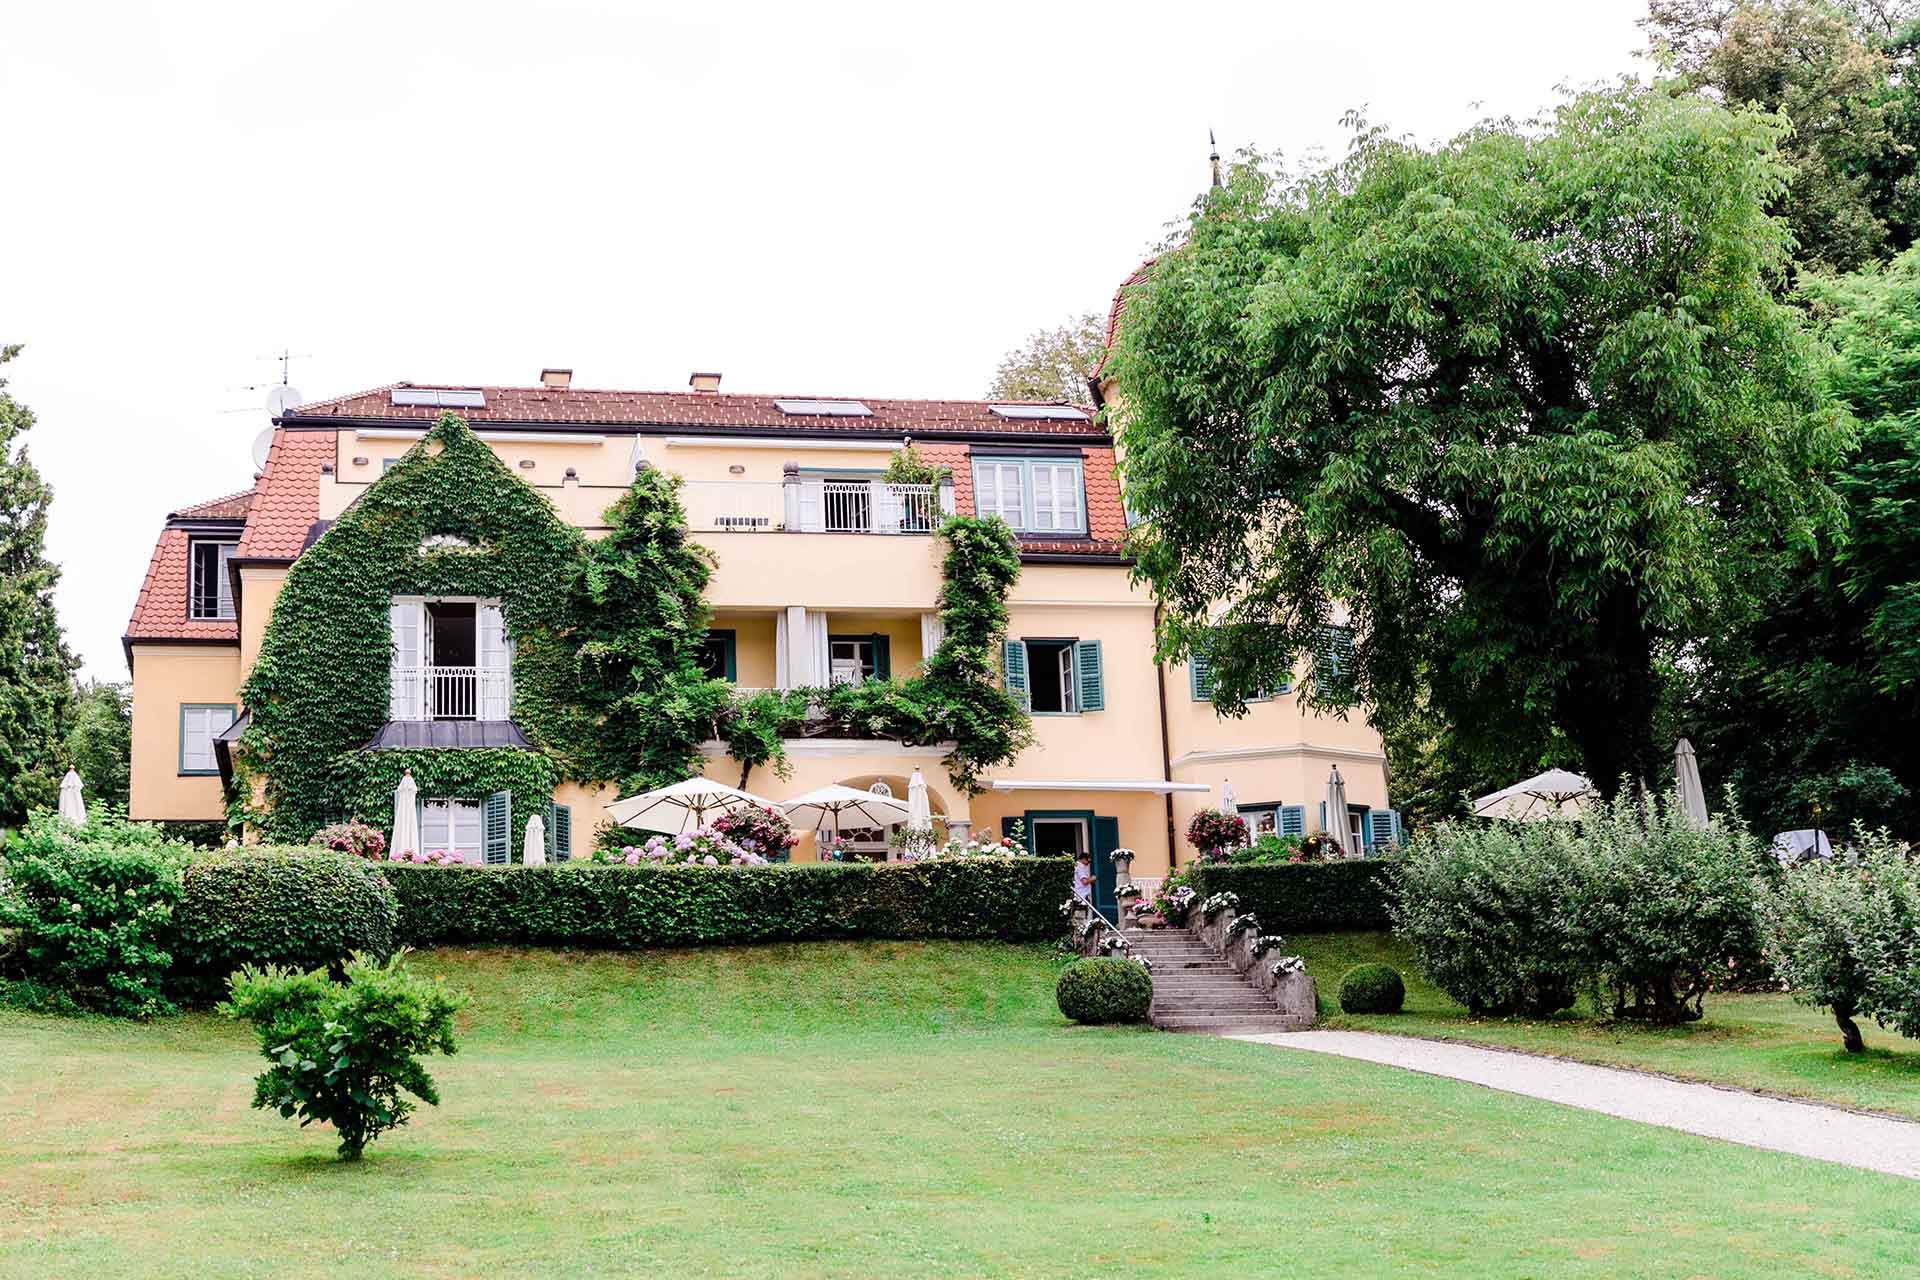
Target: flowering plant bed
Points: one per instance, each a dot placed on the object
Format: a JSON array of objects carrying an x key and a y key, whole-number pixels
[
  {"x": 434, "y": 858},
  {"x": 760, "y": 830},
  {"x": 701, "y": 847},
  {"x": 361, "y": 839},
  {"x": 1212, "y": 832},
  {"x": 1216, "y": 903}
]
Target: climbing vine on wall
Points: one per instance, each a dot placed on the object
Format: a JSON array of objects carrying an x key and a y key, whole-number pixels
[
  {"x": 320, "y": 686},
  {"x": 367, "y": 780}
]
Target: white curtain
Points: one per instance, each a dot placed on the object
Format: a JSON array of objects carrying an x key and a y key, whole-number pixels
[
  {"x": 494, "y": 668},
  {"x": 932, "y": 632},
  {"x": 407, "y": 683}
]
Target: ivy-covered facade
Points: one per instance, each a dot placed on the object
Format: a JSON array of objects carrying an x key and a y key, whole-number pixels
[{"x": 536, "y": 600}]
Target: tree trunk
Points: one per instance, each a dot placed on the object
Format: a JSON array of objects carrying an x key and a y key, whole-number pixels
[
  {"x": 1607, "y": 706},
  {"x": 1849, "y": 1031}
]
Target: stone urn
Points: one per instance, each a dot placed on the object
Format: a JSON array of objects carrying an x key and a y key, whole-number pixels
[{"x": 1122, "y": 867}]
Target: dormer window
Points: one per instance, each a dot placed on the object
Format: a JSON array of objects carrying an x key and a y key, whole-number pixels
[{"x": 209, "y": 590}]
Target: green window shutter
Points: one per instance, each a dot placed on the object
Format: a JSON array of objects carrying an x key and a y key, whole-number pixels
[
  {"x": 496, "y": 828},
  {"x": 882, "y": 657},
  {"x": 559, "y": 832},
  {"x": 1200, "y": 677},
  {"x": 546, "y": 824},
  {"x": 1013, "y": 655},
  {"x": 1293, "y": 820},
  {"x": 1383, "y": 828},
  {"x": 1093, "y": 683},
  {"x": 1333, "y": 658}
]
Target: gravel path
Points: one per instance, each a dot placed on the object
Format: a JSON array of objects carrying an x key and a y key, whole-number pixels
[{"x": 1799, "y": 1128}]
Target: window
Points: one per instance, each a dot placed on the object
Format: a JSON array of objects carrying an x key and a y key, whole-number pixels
[
  {"x": 1200, "y": 681},
  {"x": 1056, "y": 677},
  {"x": 209, "y": 592},
  {"x": 1333, "y": 659},
  {"x": 1034, "y": 495},
  {"x": 199, "y": 721},
  {"x": 854, "y": 659},
  {"x": 1261, "y": 819},
  {"x": 717, "y": 656},
  {"x": 453, "y": 825}
]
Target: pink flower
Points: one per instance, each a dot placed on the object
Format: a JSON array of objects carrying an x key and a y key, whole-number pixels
[
  {"x": 710, "y": 861},
  {"x": 633, "y": 857},
  {"x": 396, "y": 856}
]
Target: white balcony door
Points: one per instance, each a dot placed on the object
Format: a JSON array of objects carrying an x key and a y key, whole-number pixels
[
  {"x": 495, "y": 663},
  {"x": 407, "y": 683}
]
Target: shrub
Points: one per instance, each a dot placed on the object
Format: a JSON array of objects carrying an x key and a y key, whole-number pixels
[
  {"x": 356, "y": 837},
  {"x": 301, "y": 907},
  {"x": 1103, "y": 990},
  {"x": 1211, "y": 831},
  {"x": 1488, "y": 911},
  {"x": 93, "y": 912},
  {"x": 1845, "y": 936},
  {"x": 580, "y": 904},
  {"x": 345, "y": 1054},
  {"x": 1307, "y": 897},
  {"x": 704, "y": 846},
  {"x": 1661, "y": 907},
  {"x": 1372, "y": 988},
  {"x": 760, "y": 830}
]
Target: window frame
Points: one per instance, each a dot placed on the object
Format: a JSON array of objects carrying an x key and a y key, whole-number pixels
[
  {"x": 729, "y": 639},
  {"x": 881, "y": 646},
  {"x": 479, "y": 808},
  {"x": 1070, "y": 645},
  {"x": 181, "y": 756},
  {"x": 1028, "y": 507},
  {"x": 221, "y": 588}
]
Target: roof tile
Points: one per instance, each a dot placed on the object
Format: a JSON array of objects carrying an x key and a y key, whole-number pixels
[
  {"x": 160, "y": 610},
  {"x": 286, "y": 499}
]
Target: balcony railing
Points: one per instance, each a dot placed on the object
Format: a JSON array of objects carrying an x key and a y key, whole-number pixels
[
  {"x": 452, "y": 693},
  {"x": 811, "y": 504}
]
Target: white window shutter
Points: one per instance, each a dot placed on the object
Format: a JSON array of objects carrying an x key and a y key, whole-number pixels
[
  {"x": 782, "y": 666},
  {"x": 813, "y": 506},
  {"x": 225, "y": 586},
  {"x": 817, "y": 642},
  {"x": 932, "y": 632},
  {"x": 406, "y": 699},
  {"x": 495, "y": 673}
]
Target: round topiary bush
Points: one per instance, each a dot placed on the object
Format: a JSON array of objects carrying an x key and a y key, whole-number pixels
[
  {"x": 1372, "y": 988},
  {"x": 302, "y": 907},
  {"x": 1104, "y": 989}
]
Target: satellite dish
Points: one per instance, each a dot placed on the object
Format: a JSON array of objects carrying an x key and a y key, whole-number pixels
[
  {"x": 281, "y": 399},
  {"x": 261, "y": 443}
]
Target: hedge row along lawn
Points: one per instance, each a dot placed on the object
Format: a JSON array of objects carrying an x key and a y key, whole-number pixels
[
  {"x": 1761, "y": 1041},
  {"x": 870, "y": 1109}
]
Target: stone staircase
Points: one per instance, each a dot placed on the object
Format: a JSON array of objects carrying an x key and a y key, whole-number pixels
[{"x": 1195, "y": 989}]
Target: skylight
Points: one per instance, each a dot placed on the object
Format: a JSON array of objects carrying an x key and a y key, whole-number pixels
[
  {"x": 824, "y": 408},
  {"x": 1047, "y": 412},
  {"x": 441, "y": 397}
]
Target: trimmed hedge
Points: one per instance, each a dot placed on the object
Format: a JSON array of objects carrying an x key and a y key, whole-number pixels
[
  {"x": 569, "y": 904},
  {"x": 303, "y": 907},
  {"x": 1307, "y": 897},
  {"x": 1103, "y": 990},
  {"x": 1372, "y": 988}
]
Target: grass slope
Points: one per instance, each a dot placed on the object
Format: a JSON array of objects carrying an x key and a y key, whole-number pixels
[
  {"x": 1767, "y": 1042},
  {"x": 868, "y": 1110}
]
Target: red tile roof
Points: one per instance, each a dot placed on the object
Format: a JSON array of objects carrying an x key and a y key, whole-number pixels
[
  {"x": 1120, "y": 304},
  {"x": 232, "y": 507},
  {"x": 691, "y": 409},
  {"x": 1106, "y": 514},
  {"x": 286, "y": 498},
  {"x": 160, "y": 611}
]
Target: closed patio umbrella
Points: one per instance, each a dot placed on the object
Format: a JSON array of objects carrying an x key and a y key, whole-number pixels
[
  {"x": 406, "y": 816},
  {"x": 534, "y": 851},
  {"x": 681, "y": 807},
  {"x": 1553, "y": 794},
  {"x": 919, "y": 809},
  {"x": 73, "y": 805},
  {"x": 1337, "y": 825},
  {"x": 1693, "y": 796},
  {"x": 826, "y": 804},
  {"x": 1229, "y": 803}
]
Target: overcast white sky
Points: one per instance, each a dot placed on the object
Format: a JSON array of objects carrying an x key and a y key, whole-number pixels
[{"x": 818, "y": 198}]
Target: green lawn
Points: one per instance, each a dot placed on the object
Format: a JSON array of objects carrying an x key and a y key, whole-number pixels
[
  {"x": 1766, "y": 1042},
  {"x": 868, "y": 1110}
]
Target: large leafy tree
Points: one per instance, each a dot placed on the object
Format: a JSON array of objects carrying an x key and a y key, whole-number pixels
[
  {"x": 1809, "y": 706},
  {"x": 35, "y": 666},
  {"x": 1521, "y": 410},
  {"x": 1053, "y": 364},
  {"x": 1843, "y": 73},
  {"x": 99, "y": 739}
]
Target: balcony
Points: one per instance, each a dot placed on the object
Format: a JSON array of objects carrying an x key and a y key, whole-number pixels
[
  {"x": 452, "y": 693},
  {"x": 815, "y": 504}
]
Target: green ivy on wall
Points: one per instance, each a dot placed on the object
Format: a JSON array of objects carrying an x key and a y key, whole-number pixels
[
  {"x": 320, "y": 686},
  {"x": 367, "y": 780}
]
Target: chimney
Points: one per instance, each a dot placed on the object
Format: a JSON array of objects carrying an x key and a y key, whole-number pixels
[
  {"x": 558, "y": 379},
  {"x": 704, "y": 382}
]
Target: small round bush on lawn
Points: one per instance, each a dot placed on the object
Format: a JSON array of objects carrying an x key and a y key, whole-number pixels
[
  {"x": 1104, "y": 989},
  {"x": 301, "y": 907},
  {"x": 1372, "y": 988}
]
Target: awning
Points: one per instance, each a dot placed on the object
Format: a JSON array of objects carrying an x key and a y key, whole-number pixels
[
  {"x": 409, "y": 735},
  {"x": 1153, "y": 786}
]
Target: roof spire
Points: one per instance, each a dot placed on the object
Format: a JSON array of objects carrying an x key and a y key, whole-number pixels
[{"x": 1213, "y": 158}]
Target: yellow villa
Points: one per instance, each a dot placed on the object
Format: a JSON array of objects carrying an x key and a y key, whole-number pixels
[{"x": 824, "y": 574}]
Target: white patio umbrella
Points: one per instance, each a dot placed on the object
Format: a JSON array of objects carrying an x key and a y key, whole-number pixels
[
  {"x": 406, "y": 816},
  {"x": 534, "y": 851},
  {"x": 73, "y": 805},
  {"x": 681, "y": 807},
  {"x": 1553, "y": 794},
  {"x": 1693, "y": 796},
  {"x": 919, "y": 808},
  {"x": 1229, "y": 803},
  {"x": 827, "y": 804},
  {"x": 1337, "y": 825}
]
